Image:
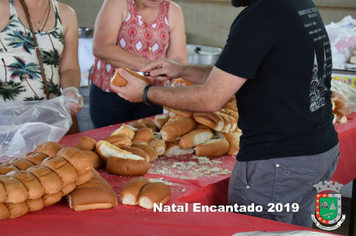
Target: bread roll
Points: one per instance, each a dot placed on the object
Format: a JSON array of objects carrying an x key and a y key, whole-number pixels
[
  {"x": 48, "y": 148},
  {"x": 35, "y": 157},
  {"x": 160, "y": 120},
  {"x": 16, "y": 192},
  {"x": 138, "y": 124},
  {"x": 4, "y": 212},
  {"x": 118, "y": 80},
  {"x": 68, "y": 189},
  {"x": 35, "y": 204},
  {"x": 121, "y": 162},
  {"x": 213, "y": 148},
  {"x": 106, "y": 149},
  {"x": 195, "y": 137},
  {"x": 227, "y": 122},
  {"x": 50, "y": 199},
  {"x": 31, "y": 183},
  {"x": 86, "y": 143},
  {"x": 17, "y": 209},
  {"x": 137, "y": 151},
  {"x": 142, "y": 136},
  {"x": 149, "y": 124},
  {"x": 131, "y": 190},
  {"x": 94, "y": 157},
  {"x": 353, "y": 59},
  {"x": 119, "y": 140},
  {"x": 159, "y": 145},
  {"x": 3, "y": 194},
  {"x": 77, "y": 158},
  {"x": 173, "y": 149},
  {"x": 211, "y": 119},
  {"x": 234, "y": 142},
  {"x": 84, "y": 178},
  {"x": 154, "y": 193},
  {"x": 6, "y": 168},
  {"x": 127, "y": 130},
  {"x": 62, "y": 168},
  {"x": 339, "y": 117},
  {"x": 95, "y": 194},
  {"x": 49, "y": 180},
  {"x": 150, "y": 151},
  {"x": 174, "y": 129},
  {"x": 127, "y": 167},
  {"x": 20, "y": 163},
  {"x": 179, "y": 112}
]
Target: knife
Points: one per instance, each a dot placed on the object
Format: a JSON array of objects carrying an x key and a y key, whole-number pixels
[{"x": 143, "y": 73}]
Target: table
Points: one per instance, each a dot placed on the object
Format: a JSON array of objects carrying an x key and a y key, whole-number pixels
[
  {"x": 187, "y": 186},
  {"x": 346, "y": 167}
]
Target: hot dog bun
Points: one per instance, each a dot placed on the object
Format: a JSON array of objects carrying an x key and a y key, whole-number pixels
[
  {"x": 118, "y": 80},
  {"x": 195, "y": 137},
  {"x": 176, "y": 128},
  {"x": 154, "y": 193},
  {"x": 131, "y": 191},
  {"x": 212, "y": 148}
]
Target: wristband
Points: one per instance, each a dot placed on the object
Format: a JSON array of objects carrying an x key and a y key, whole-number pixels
[{"x": 145, "y": 91}]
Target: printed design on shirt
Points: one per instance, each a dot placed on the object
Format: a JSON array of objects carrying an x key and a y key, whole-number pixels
[{"x": 317, "y": 86}]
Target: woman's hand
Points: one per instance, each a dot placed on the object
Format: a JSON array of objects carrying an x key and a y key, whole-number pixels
[{"x": 76, "y": 99}]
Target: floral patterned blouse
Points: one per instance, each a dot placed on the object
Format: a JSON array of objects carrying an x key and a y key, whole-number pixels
[
  {"x": 20, "y": 74},
  {"x": 149, "y": 40}
]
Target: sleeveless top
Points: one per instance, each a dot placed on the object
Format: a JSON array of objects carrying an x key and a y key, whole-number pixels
[
  {"x": 20, "y": 74},
  {"x": 149, "y": 40}
]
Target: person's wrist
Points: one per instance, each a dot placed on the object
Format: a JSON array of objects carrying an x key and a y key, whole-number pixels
[{"x": 145, "y": 93}]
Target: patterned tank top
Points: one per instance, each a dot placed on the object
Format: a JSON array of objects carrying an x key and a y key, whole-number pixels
[
  {"x": 20, "y": 74},
  {"x": 149, "y": 40}
]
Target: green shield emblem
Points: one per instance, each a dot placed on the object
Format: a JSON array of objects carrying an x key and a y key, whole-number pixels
[{"x": 328, "y": 208}]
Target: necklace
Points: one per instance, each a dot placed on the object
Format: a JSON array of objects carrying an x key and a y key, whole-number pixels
[{"x": 46, "y": 14}]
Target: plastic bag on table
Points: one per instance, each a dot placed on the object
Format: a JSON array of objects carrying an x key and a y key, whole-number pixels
[
  {"x": 346, "y": 93},
  {"x": 342, "y": 36},
  {"x": 25, "y": 125}
]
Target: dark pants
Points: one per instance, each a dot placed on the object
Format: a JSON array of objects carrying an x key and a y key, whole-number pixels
[
  {"x": 282, "y": 181},
  {"x": 109, "y": 109}
]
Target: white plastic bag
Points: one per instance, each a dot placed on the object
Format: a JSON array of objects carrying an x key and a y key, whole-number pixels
[
  {"x": 25, "y": 125},
  {"x": 342, "y": 36},
  {"x": 347, "y": 94}
]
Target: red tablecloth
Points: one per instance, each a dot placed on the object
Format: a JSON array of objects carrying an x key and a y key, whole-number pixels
[
  {"x": 191, "y": 181},
  {"x": 346, "y": 167}
]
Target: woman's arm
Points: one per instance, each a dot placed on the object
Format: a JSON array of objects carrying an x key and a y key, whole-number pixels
[
  {"x": 107, "y": 26},
  {"x": 177, "y": 50},
  {"x": 69, "y": 64}
]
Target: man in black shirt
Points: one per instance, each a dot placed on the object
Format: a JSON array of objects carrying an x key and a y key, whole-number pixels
[{"x": 277, "y": 61}]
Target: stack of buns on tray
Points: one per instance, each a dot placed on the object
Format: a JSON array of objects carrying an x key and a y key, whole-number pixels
[{"x": 42, "y": 177}]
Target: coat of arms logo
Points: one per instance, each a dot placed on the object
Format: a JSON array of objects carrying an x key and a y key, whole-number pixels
[{"x": 328, "y": 206}]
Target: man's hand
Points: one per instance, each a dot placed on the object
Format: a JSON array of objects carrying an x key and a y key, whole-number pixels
[
  {"x": 163, "y": 70},
  {"x": 133, "y": 91}
]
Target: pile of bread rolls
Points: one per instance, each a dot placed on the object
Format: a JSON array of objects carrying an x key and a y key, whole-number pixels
[
  {"x": 140, "y": 191},
  {"x": 203, "y": 134},
  {"x": 42, "y": 177}
]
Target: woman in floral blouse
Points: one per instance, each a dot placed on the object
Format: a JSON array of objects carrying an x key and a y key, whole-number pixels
[{"x": 56, "y": 30}]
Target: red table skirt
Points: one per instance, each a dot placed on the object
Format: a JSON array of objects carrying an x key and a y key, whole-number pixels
[{"x": 188, "y": 187}]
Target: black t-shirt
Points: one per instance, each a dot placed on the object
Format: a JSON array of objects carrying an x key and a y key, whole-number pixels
[{"x": 282, "y": 49}]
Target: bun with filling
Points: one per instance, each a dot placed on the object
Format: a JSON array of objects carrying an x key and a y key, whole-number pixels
[{"x": 118, "y": 80}]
